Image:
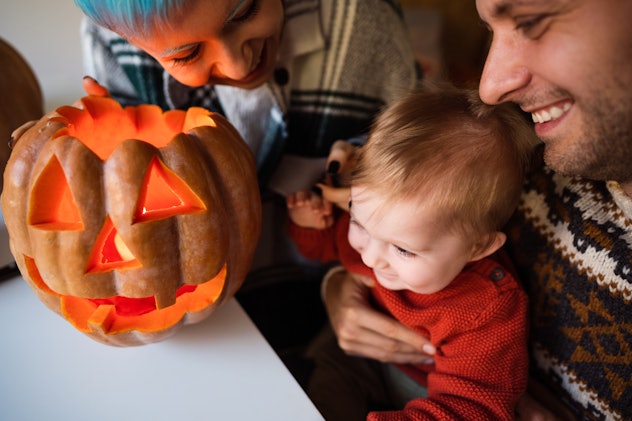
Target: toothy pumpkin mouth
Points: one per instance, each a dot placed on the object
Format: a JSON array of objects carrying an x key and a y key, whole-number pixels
[
  {"x": 120, "y": 314},
  {"x": 111, "y": 210}
]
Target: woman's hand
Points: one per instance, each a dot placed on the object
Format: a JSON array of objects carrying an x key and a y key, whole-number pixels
[
  {"x": 17, "y": 133},
  {"x": 339, "y": 196},
  {"x": 341, "y": 157},
  {"x": 340, "y": 162},
  {"x": 92, "y": 87},
  {"x": 365, "y": 332}
]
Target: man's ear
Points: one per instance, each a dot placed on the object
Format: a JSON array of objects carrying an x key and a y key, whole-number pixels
[{"x": 488, "y": 244}]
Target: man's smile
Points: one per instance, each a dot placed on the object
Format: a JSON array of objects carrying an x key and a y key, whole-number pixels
[{"x": 550, "y": 113}]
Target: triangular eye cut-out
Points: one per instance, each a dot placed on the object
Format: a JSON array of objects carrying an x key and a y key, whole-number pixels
[
  {"x": 52, "y": 206},
  {"x": 110, "y": 251},
  {"x": 164, "y": 194}
]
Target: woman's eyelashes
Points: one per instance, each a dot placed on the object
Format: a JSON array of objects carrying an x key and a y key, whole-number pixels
[{"x": 193, "y": 54}]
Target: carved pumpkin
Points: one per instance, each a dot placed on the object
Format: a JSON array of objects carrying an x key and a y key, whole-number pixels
[
  {"x": 130, "y": 222},
  {"x": 21, "y": 98}
]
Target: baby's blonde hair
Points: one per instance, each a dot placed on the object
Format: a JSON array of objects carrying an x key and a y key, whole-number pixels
[{"x": 444, "y": 144}]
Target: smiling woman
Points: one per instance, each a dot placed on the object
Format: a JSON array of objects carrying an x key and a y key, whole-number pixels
[
  {"x": 201, "y": 42},
  {"x": 338, "y": 63},
  {"x": 236, "y": 47},
  {"x": 199, "y": 51}
]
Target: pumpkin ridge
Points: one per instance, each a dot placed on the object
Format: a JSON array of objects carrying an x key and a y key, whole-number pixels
[
  {"x": 206, "y": 258},
  {"x": 190, "y": 261}
]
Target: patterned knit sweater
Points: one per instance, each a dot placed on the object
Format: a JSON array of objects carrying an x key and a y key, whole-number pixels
[
  {"x": 478, "y": 324},
  {"x": 572, "y": 242}
]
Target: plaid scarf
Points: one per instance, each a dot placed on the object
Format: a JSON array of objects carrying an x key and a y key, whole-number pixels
[{"x": 340, "y": 62}]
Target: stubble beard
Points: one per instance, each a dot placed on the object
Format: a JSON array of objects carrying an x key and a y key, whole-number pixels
[{"x": 603, "y": 149}]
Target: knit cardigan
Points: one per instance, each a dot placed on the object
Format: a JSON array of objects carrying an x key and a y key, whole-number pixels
[
  {"x": 478, "y": 324},
  {"x": 572, "y": 243},
  {"x": 340, "y": 62}
]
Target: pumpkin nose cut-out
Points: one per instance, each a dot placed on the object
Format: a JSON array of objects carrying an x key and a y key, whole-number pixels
[{"x": 110, "y": 251}]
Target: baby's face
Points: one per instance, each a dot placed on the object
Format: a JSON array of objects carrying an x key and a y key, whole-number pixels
[
  {"x": 403, "y": 243},
  {"x": 226, "y": 42}
]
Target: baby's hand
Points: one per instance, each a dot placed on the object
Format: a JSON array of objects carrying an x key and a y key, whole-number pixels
[{"x": 308, "y": 210}]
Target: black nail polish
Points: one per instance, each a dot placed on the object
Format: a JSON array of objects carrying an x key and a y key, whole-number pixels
[
  {"x": 334, "y": 166},
  {"x": 91, "y": 78},
  {"x": 281, "y": 76},
  {"x": 333, "y": 180}
]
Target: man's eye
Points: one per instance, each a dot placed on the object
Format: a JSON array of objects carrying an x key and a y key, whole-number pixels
[
  {"x": 531, "y": 26},
  {"x": 245, "y": 12},
  {"x": 189, "y": 57}
]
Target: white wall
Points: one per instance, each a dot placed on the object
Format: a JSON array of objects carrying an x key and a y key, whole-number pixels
[{"x": 46, "y": 33}]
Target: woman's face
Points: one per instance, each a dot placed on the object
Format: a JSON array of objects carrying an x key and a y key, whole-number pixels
[{"x": 226, "y": 42}]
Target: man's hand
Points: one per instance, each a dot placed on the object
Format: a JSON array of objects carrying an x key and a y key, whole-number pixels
[
  {"x": 365, "y": 332},
  {"x": 540, "y": 404}
]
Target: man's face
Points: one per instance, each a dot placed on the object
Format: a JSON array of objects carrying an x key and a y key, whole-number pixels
[{"x": 569, "y": 64}]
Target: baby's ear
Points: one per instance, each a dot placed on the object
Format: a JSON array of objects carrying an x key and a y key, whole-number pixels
[{"x": 487, "y": 245}]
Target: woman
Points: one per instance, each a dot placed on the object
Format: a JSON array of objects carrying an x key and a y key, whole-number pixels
[{"x": 291, "y": 76}]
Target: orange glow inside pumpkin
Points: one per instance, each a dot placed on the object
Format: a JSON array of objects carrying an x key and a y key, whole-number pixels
[
  {"x": 53, "y": 207},
  {"x": 101, "y": 126},
  {"x": 110, "y": 252},
  {"x": 121, "y": 314},
  {"x": 164, "y": 194},
  {"x": 103, "y": 123}
]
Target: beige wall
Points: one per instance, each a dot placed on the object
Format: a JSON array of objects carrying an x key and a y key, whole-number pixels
[
  {"x": 46, "y": 33},
  {"x": 463, "y": 40}
]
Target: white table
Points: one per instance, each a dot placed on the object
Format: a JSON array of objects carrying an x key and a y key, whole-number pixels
[{"x": 219, "y": 369}]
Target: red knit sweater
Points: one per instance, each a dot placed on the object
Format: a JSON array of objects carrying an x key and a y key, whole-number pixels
[{"x": 478, "y": 324}]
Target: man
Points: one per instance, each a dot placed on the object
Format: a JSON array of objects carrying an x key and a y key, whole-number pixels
[{"x": 569, "y": 64}]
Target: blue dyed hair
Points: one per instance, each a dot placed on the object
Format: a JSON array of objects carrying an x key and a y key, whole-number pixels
[{"x": 131, "y": 17}]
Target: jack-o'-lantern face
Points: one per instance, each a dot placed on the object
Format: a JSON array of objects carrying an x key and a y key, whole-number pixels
[{"x": 130, "y": 222}]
